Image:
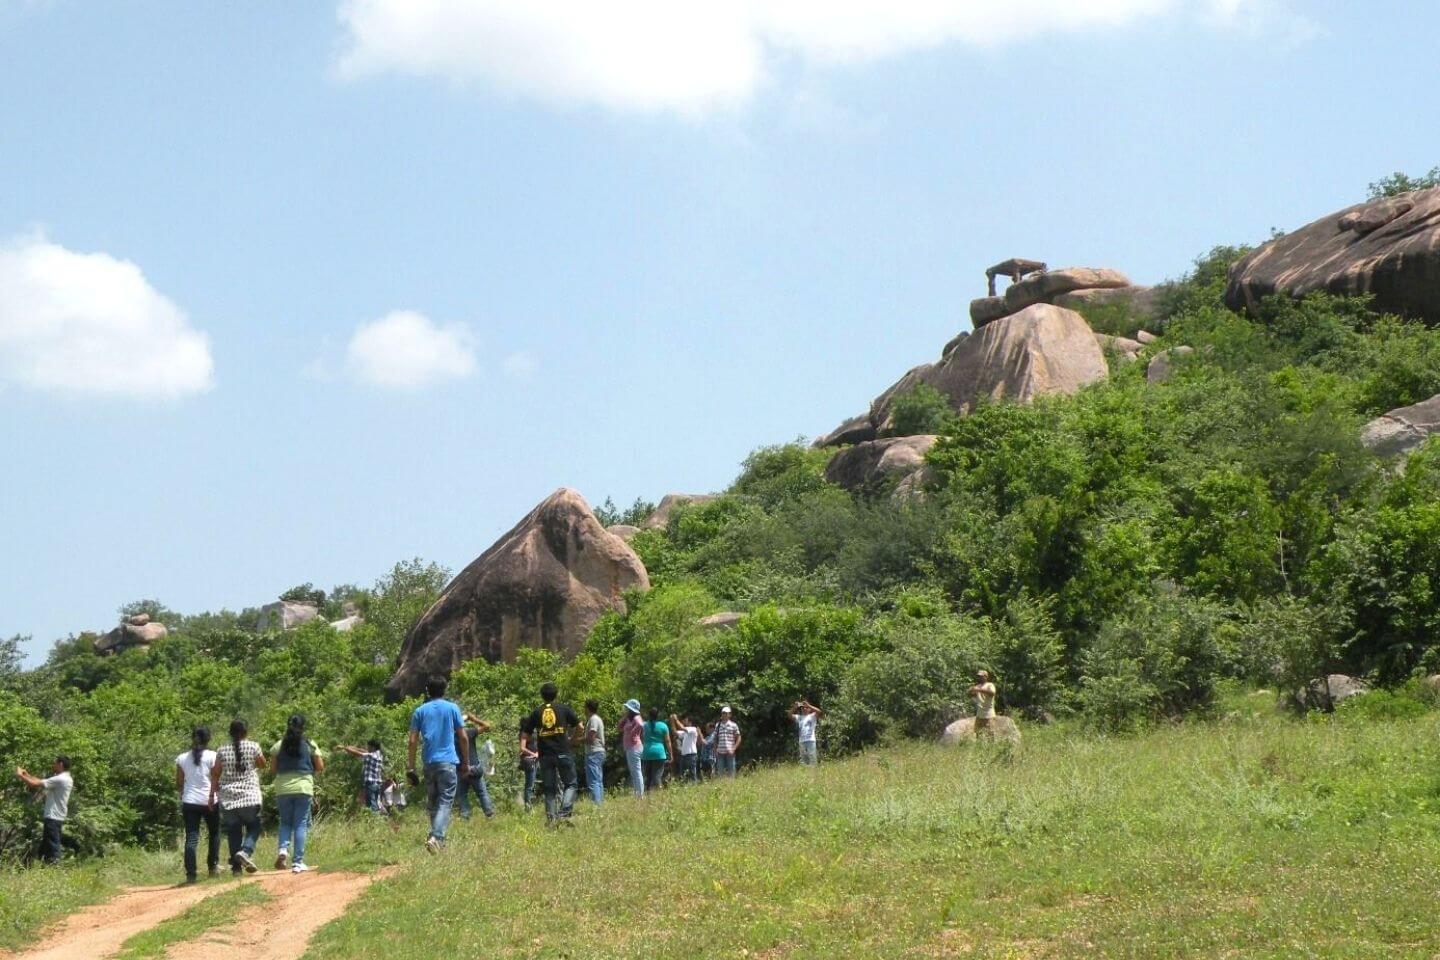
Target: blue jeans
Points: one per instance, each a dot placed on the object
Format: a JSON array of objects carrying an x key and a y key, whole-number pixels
[
  {"x": 689, "y": 766},
  {"x": 809, "y": 752},
  {"x": 440, "y": 785},
  {"x": 527, "y": 793},
  {"x": 595, "y": 775},
  {"x": 373, "y": 789},
  {"x": 294, "y": 821},
  {"x": 240, "y": 821},
  {"x": 725, "y": 764},
  {"x": 636, "y": 766},
  {"x": 52, "y": 840},
  {"x": 558, "y": 776},
  {"x": 194, "y": 814},
  {"x": 476, "y": 782}
]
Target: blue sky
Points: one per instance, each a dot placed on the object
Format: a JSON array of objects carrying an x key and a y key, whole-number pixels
[{"x": 290, "y": 292}]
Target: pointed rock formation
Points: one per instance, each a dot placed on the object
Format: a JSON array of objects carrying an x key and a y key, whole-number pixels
[
  {"x": 1389, "y": 248},
  {"x": 660, "y": 518},
  {"x": 543, "y": 584}
]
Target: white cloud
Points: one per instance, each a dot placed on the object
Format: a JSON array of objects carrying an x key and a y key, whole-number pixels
[
  {"x": 406, "y": 350},
  {"x": 520, "y": 365},
  {"x": 691, "y": 57},
  {"x": 87, "y": 323}
]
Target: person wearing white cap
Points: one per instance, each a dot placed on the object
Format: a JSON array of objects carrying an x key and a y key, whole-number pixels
[
  {"x": 632, "y": 739},
  {"x": 727, "y": 743}
]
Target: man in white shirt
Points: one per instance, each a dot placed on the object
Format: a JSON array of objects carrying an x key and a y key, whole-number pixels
[
  {"x": 56, "y": 810},
  {"x": 983, "y": 693},
  {"x": 594, "y": 751},
  {"x": 689, "y": 736},
  {"x": 807, "y": 716}
]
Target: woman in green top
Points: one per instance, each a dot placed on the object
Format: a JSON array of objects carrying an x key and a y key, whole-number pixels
[
  {"x": 295, "y": 761},
  {"x": 657, "y": 750}
]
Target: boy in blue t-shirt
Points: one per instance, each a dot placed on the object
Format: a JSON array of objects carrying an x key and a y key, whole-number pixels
[{"x": 438, "y": 723}]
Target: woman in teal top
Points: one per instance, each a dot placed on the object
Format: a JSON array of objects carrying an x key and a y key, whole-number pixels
[
  {"x": 295, "y": 760},
  {"x": 657, "y": 750}
]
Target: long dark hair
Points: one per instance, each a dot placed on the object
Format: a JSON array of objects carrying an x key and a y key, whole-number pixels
[
  {"x": 199, "y": 740},
  {"x": 238, "y": 729},
  {"x": 294, "y": 733}
]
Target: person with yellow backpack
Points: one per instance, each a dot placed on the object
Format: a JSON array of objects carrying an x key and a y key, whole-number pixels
[{"x": 547, "y": 730}]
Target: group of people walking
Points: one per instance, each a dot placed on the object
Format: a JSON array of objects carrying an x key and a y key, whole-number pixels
[{"x": 448, "y": 753}]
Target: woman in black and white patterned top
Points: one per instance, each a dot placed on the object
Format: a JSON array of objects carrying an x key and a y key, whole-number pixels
[{"x": 238, "y": 784}]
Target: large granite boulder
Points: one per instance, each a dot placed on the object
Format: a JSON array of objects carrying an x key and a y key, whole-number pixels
[
  {"x": 866, "y": 465},
  {"x": 1045, "y": 287},
  {"x": 1389, "y": 248},
  {"x": 624, "y": 531},
  {"x": 1162, "y": 366},
  {"x": 986, "y": 310},
  {"x": 855, "y": 430},
  {"x": 346, "y": 624},
  {"x": 286, "y": 614},
  {"x": 726, "y": 620},
  {"x": 543, "y": 585},
  {"x": 963, "y": 731},
  {"x": 1140, "y": 302},
  {"x": 135, "y": 632},
  {"x": 660, "y": 517},
  {"x": 1328, "y": 692},
  {"x": 1401, "y": 430}
]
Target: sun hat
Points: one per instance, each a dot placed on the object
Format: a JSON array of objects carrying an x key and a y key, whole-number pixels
[
  {"x": 633, "y": 705},
  {"x": 725, "y": 709}
]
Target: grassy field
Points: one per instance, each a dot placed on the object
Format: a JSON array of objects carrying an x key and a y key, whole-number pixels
[{"x": 1251, "y": 836}]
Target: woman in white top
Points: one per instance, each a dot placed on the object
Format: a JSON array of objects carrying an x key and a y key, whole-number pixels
[{"x": 198, "y": 801}]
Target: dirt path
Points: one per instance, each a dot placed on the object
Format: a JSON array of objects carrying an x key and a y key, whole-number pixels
[
  {"x": 277, "y": 930},
  {"x": 282, "y": 928},
  {"x": 100, "y": 930}
]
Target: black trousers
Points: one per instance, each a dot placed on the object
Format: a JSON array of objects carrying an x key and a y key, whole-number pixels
[
  {"x": 51, "y": 840},
  {"x": 194, "y": 814},
  {"x": 557, "y": 774}
]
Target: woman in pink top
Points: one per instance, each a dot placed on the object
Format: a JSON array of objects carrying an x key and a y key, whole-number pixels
[{"x": 632, "y": 730}]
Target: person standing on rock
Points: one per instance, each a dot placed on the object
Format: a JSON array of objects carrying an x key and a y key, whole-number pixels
[
  {"x": 983, "y": 693},
  {"x": 807, "y": 716},
  {"x": 438, "y": 723},
  {"x": 55, "y": 795},
  {"x": 372, "y": 772},
  {"x": 594, "y": 751},
  {"x": 727, "y": 743},
  {"x": 632, "y": 739},
  {"x": 547, "y": 730},
  {"x": 295, "y": 759},
  {"x": 199, "y": 802},
  {"x": 481, "y": 755},
  {"x": 236, "y": 781},
  {"x": 687, "y": 748}
]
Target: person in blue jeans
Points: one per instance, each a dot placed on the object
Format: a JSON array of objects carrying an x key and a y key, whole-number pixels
[
  {"x": 438, "y": 724},
  {"x": 372, "y": 772},
  {"x": 295, "y": 761},
  {"x": 594, "y": 751},
  {"x": 481, "y": 755},
  {"x": 236, "y": 781}
]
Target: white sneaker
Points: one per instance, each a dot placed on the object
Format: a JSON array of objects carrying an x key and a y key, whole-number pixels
[
  {"x": 281, "y": 859},
  {"x": 432, "y": 845},
  {"x": 245, "y": 862},
  {"x": 299, "y": 868}
]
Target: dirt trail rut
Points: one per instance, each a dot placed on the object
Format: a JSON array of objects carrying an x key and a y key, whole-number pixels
[{"x": 277, "y": 930}]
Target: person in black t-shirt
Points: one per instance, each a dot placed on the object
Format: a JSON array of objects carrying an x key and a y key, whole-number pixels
[{"x": 548, "y": 730}]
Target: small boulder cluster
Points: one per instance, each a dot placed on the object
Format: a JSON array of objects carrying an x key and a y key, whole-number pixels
[{"x": 135, "y": 632}]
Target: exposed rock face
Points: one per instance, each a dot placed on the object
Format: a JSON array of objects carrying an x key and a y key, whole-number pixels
[
  {"x": 963, "y": 731},
  {"x": 880, "y": 407},
  {"x": 1126, "y": 348},
  {"x": 624, "y": 531},
  {"x": 721, "y": 621},
  {"x": 986, "y": 309},
  {"x": 138, "y": 631},
  {"x": 1326, "y": 693},
  {"x": 1162, "y": 365},
  {"x": 346, "y": 624},
  {"x": 1389, "y": 248},
  {"x": 855, "y": 430},
  {"x": 1044, "y": 287},
  {"x": 866, "y": 465},
  {"x": 1145, "y": 336},
  {"x": 1142, "y": 302},
  {"x": 286, "y": 614},
  {"x": 661, "y": 517},
  {"x": 1401, "y": 430},
  {"x": 543, "y": 584}
]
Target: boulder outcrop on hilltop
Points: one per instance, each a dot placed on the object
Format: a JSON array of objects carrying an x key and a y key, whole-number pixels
[
  {"x": 286, "y": 614},
  {"x": 1071, "y": 287},
  {"x": 1388, "y": 248},
  {"x": 1401, "y": 430},
  {"x": 543, "y": 585},
  {"x": 1041, "y": 350},
  {"x": 867, "y": 465},
  {"x": 134, "y": 632}
]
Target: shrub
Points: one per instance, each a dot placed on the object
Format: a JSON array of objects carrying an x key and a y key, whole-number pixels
[
  {"x": 1398, "y": 183},
  {"x": 921, "y": 410}
]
